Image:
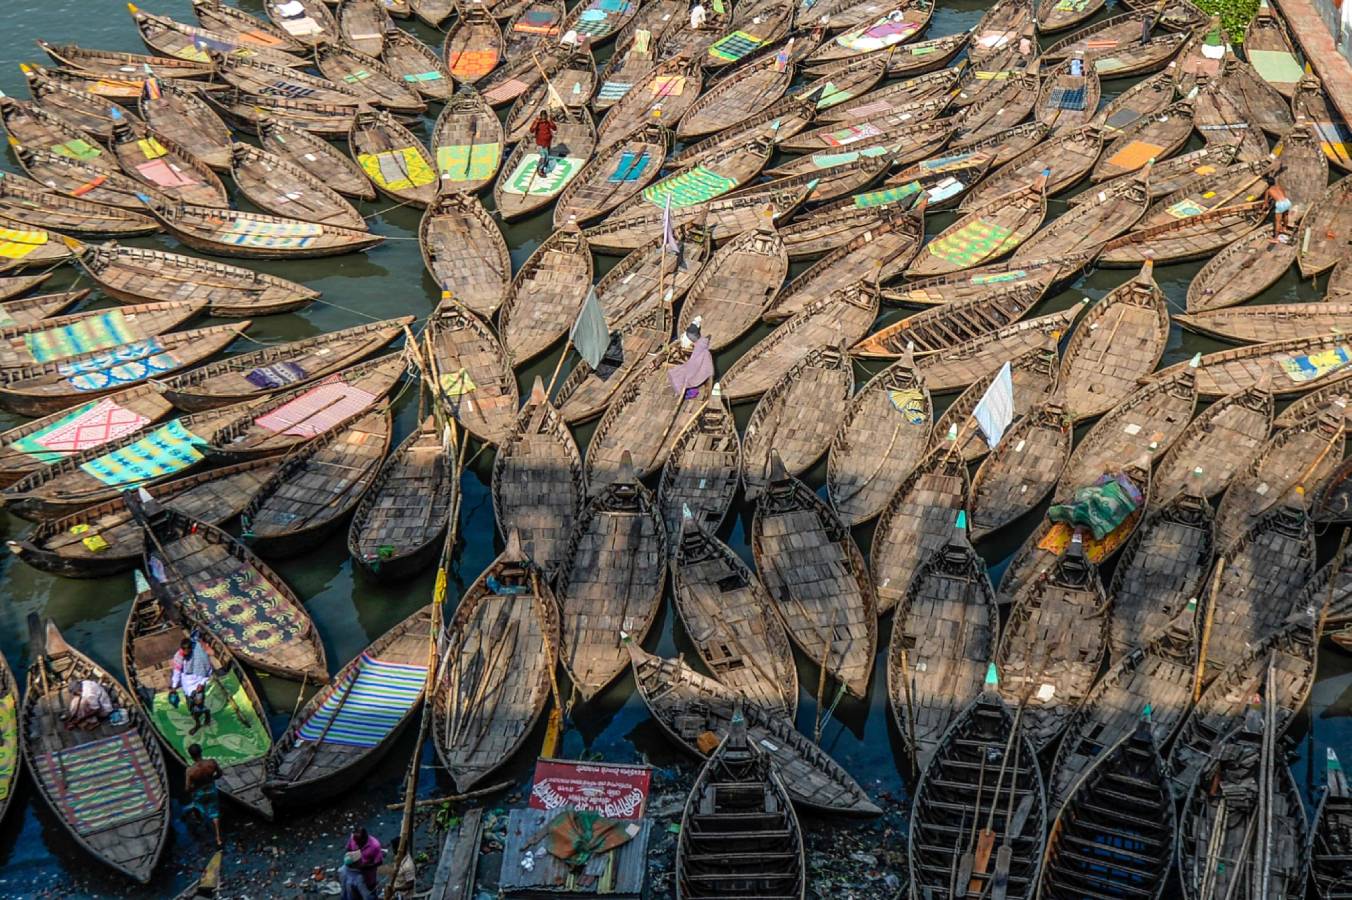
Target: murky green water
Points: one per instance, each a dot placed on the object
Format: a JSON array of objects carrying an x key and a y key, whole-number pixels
[{"x": 36, "y": 855}]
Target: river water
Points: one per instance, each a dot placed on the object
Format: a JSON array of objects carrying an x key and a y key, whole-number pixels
[{"x": 37, "y": 857}]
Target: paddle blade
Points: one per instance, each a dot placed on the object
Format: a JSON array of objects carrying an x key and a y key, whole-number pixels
[
  {"x": 985, "y": 843},
  {"x": 1000, "y": 884}
]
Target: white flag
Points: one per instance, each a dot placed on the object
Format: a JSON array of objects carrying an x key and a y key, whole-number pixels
[{"x": 996, "y": 409}]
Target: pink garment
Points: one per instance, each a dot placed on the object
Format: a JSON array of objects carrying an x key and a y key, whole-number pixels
[
  {"x": 696, "y": 370},
  {"x": 370, "y": 858}
]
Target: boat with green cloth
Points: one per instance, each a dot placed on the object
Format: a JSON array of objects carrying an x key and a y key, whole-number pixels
[
  {"x": 236, "y": 736},
  {"x": 10, "y": 759},
  {"x": 62, "y": 337}
]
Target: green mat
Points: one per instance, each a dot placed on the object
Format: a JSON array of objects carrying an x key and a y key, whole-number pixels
[
  {"x": 9, "y": 744},
  {"x": 1276, "y": 66},
  {"x": 225, "y": 740}
]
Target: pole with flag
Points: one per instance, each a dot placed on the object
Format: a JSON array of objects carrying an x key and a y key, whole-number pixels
[
  {"x": 590, "y": 336},
  {"x": 995, "y": 411}
]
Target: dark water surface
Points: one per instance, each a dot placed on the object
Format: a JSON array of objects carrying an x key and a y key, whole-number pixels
[{"x": 36, "y": 856}]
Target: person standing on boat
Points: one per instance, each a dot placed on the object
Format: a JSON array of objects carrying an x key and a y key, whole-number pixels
[
  {"x": 360, "y": 863},
  {"x": 698, "y": 16},
  {"x": 192, "y": 673},
  {"x": 200, "y": 782},
  {"x": 1285, "y": 212},
  {"x": 90, "y": 705},
  {"x": 543, "y": 131}
]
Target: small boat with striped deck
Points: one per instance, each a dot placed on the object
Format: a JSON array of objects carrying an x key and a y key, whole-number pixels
[
  {"x": 702, "y": 472},
  {"x": 663, "y": 95},
  {"x": 369, "y": 79},
  {"x": 26, "y": 203},
  {"x": 473, "y": 372},
  {"x": 169, "y": 170},
  {"x": 633, "y": 59},
  {"x": 231, "y": 232},
  {"x": 938, "y": 328},
  {"x": 697, "y": 182},
  {"x": 75, "y": 178},
  {"x": 278, "y": 186},
  {"x": 1226, "y": 437},
  {"x": 75, "y": 334},
  {"x": 30, "y": 125},
  {"x": 522, "y": 189},
  {"x": 1295, "y": 366},
  {"x": 117, "y": 63},
  {"x": 612, "y": 176},
  {"x": 465, "y": 252},
  {"x": 393, "y": 158},
  {"x": 770, "y": 24},
  {"x": 986, "y": 232},
  {"x": 467, "y": 143},
  {"x": 329, "y": 743},
  {"x": 417, "y": 66}
]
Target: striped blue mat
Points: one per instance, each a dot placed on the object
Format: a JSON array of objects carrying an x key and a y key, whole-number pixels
[{"x": 383, "y": 694}]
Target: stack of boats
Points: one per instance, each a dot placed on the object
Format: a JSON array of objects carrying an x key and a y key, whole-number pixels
[{"x": 847, "y": 234}]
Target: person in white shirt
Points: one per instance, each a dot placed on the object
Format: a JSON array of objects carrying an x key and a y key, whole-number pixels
[
  {"x": 90, "y": 705},
  {"x": 192, "y": 673},
  {"x": 698, "y": 16}
]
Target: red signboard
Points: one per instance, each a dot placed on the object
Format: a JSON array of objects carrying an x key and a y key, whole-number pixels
[{"x": 609, "y": 789}]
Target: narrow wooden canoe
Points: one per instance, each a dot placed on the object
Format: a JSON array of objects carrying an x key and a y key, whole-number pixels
[
  {"x": 117, "y": 63},
  {"x": 977, "y": 282},
  {"x": 1192, "y": 238},
  {"x": 363, "y": 25},
  {"x": 831, "y": 226},
  {"x": 663, "y": 96},
  {"x": 1324, "y": 229},
  {"x": 250, "y": 112},
  {"x": 44, "y": 388},
  {"x": 76, "y": 178},
  {"x": 701, "y": 475},
  {"x": 318, "y": 486},
  {"x": 698, "y": 182},
  {"x": 393, "y": 158},
  {"x": 72, "y": 104},
  {"x": 927, "y": 96},
  {"x": 168, "y": 169},
  {"x": 537, "y": 484},
  {"x": 1239, "y": 273},
  {"x": 246, "y": 235},
  {"x": 399, "y": 525},
  {"x": 278, "y": 186},
  {"x": 1220, "y": 121},
  {"x": 1304, "y": 173},
  {"x": 467, "y": 143},
  {"x": 30, "y": 311},
  {"x": 570, "y": 82},
  {"x": 1215, "y": 447},
  {"x": 62, "y": 337},
  {"x": 999, "y": 110},
  {"x": 1334, "y": 139},
  {"x": 28, "y": 203},
  {"x": 237, "y": 735},
  {"x": 1070, "y": 156},
  {"x": 1033, "y": 375},
  {"x": 963, "y": 364},
  {"x": 811, "y": 566},
  {"x": 1022, "y": 469},
  {"x": 1308, "y": 404},
  {"x": 986, "y": 233},
  {"x": 106, "y": 538},
  {"x": 656, "y": 274},
  {"x": 473, "y": 46},
  {"x": 586, "y": 392},
  {"x": 241, "y": 27},
  {"x": 417, "y": 66},
  {"x": 938, "y": 328},
  {"x": 122, "y": 760},
  {"x": 1088, "y": 227},
  {"x": 1270, "y": 322},
  {"x": 473, "y": 372},
  {"x": 1268, "y": 48},
  {"x": 325, "y": 751},
  {"x": 745, "y": 93},
  {"x": 1160, "y": 575},
  {"x": 713, "y": 589},
  {"x": 178, "y": 113},
  {"x": 797, "y": 417},
  {"x": 1295, "y": 366},
  {"x": 465, "y": 252},
  {"x": 613, "y": 176},
  {"x": 522, "y": 189},
  {"x": 312, "y": 24},
  {"x": 1257, "y": 100},
  {"x": 546, "y": 295},
  {"x": 632, "y": 61},
  {"x": 498, "y": 670},
  {"x": 316, "y": 156},
  {"x": 30, "y": 125},
  {"x": 687, "y": 704},
  {"x": 369, "y": 79},
  {"x": 770, "y": 23},
  {"x": 618, "y": 540}
]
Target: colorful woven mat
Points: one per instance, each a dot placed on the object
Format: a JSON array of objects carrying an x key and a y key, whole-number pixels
[
  {"x": 1068, "y": 98},
  {"x": 1135, "y": 154},
  {"x": 275, "y": 376},
  {"x": 970, "y": 244},
  {"x": 1309, "y": 367},
  {"x": 317, "y": 410},
  {"x": 245, "y": 610},
  {"x": 688, "y": 188},
  {"x": 168, "y": 449},
  {"x": 630, "y": 167},
  {"x": 735, "y": 46},
  {"x": 9, "y": 744},
  {"x": 103, "y": 783},
  {"x": 884, "y": 33},
  {"x": 107, "y": 329},
  {"x": 120, "y": 367},
  {"x": 526, "y": 179},
  {"x": 374, "y": 698},
  {"x": 228, "y": 740},
  {"x": 468, "y": 162},
  {"x": 471, "y": 65},
  {"x": 16, "y": 243},
  {"x": 92, "y": 425},
  {"x": 397, "y": 170}
]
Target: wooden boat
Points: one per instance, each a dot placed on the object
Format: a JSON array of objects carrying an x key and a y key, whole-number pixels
[
  {"x": 1199, "y": 62},
  {"x": 695, "y": 184},
  {"x": 610, "y": 179},
  {"x": 985, "y": 233},
  {"x": 724, "y": 216},
  {"x": 312, "y": 24},
  {"x": 1114, "y": 46},
  {"x": 598, "y": 21},
  {"x": 1180, "y": 175},
  {"x": 942, "y": 181},
  {"x": 739, "y": 833},
  {"x": 467, "y": 143},
  {"x": 892, "y": 411},
  {"x": 75, "y": 334},
  {"x": 797, "y": 417},
  {"x": 12, "y": 286},
  {"x": 714, "y": 589},
  {"x": 1268, "y": 48},
  {"x": 39, "y": 309},
  {"x": 1259, "y": 102},
  {"x": 1057, "y": 635},
  {"x": 75, "y": 178},
  {"x": 831, "y": 226},
  {"x": 521, "y": 189},
  {"x": 1021, "y": 470},
  {"x": 1295, "y": 366},
  {"x": 116, "y": 63},
  {"x": 178, "y": 113},
  {"x": 980, "y": 281},
  {"x": 44, "y": 388},
  {"x": 77, "y": 771},
  {"x": 571, "y": 80},
  {"x": 663, "y": 95},
  {"x": 473, "y": 47},
  {"x": 465, "y": 252},
  {"x": 545, "y": 295},
  {"x": 251, "y": 112},
  {"x": 251, "y": 610},
  {"x": 904, "y": 60},
  {"x": 1000, "y": 27},
  {"x": 1324, "y": 230},
  {"x": 244, "y": 29},
  {"x": 770, "y": 24},
  {"x": 363, "y": 25},
  {"x": 1334, "y": 139},
  {"x": 369, "y": 79},
  {"x": 1069, "y": 156},
  {"x": 85, "y": 475},
  {"x": 393, "y": 158},
  {"x": 1067, "y": 100},
  {"x": 1225, "y": 438},
  {"x": 1144, "y": 99},
  {"x": 237, "y": 734},
  {"x": 107, "y": 538},
  {"x": 1082, "y": 853},
  {"x": 933, "y": 329},
  {"x": 533, "y": 28},
  {"x": 1194, "y": 237},
  {"x": 1331, "y": 500},
  {"x": 1033, "y": 374},
  {"x": 328, "y": 745},
  {"x": 1149, "y": 138},
  {"x": 632, "y": 60},
  {"x": 278, "y": 186},
  {"x": 965, "y": 784},
  {"x": 1238, "y": 273},
  {"x": 1120, "y": 340},
  {"x": 246, "y": 235},
  {"x": 69, "y": 102},
  {"x": 1220, "y": 121},
  {"x": 497, "y": 672},
  {"x": 903, "y": 133},
  {"x": 927, "y": 96},
  {"x": 315, "y": 156},
  {"x": 739, "y": 97},
  {"x": 731, "y": 293},
  {"x": 432, "y": 13},
  {"x": 1308, "y": 404},
  {"x": 28, "y": 203},
  {"x": 1332, "y": 818},
  {"x": 1052, "y": 18},
  {"x": 135, "y": 275},
  {"x": 657, "y": 274},
  {"x": 288, "y": 419},
  {"x": 168, "y": 169},
  {"x": 968, "y": 362},
  {"x": 702, "y": 472},
  {"x": 792, "y": 525},
  {"x": 417, "y": 66},
  {"x": 318, "y": 486},
  {"x": 943, "y": 641},
  {"x": 618, "y": 539},
  {"x": 839, "y": 319},
  {"x": 1268, "y": 836},
  {"x": 842, "y": 177},
  {"x": 473, "y": 372},
  {"x": 687, "y": 704},
  {"x": 1304, "y": 173},
  {"x": 30, "y": 125},
  {"x": 537, "y": 484},
  {"x": 1089, "y": 226},
  {"x": 999, "y": 110}
]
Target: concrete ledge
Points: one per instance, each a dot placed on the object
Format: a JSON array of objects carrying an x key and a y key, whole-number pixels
[{"x": 1312, "y": 34}]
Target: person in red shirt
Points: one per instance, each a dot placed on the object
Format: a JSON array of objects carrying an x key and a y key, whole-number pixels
[{"x": 543, "y": 131}]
